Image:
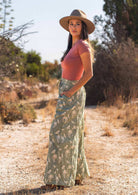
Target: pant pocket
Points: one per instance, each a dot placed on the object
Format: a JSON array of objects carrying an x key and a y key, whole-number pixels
[{"x": 64, "y": 96}]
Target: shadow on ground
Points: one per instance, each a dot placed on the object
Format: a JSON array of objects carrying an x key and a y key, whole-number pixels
[{"x": 30, "y": 191}]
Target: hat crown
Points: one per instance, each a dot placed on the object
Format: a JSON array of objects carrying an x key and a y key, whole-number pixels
[{"x": 79, "y": 13}]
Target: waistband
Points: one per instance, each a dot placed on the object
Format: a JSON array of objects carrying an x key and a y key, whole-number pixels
[{"x": 69, "y": 81}]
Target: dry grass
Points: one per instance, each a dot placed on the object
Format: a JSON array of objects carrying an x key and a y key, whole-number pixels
[
  {"x": 107, "y": 131},
  {"x": 50, "y": 108},
  {"x": 31, "y": 81},
  {"x": 122, "y": 115},
  {"x": 0, "y": 123},
  {"x": 27, "y": 118},
  {"x": 9, "y": 96},
  {"x": 131, "y": 116},
  {"x": 53, "y": 85},
  {"x": 135, "y": 132}
]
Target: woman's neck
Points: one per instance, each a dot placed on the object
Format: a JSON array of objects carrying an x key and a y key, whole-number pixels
[{"x": 74, "y": 40}]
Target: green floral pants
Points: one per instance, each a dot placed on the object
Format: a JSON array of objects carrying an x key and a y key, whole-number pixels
[{"x": 66, "y": 159}]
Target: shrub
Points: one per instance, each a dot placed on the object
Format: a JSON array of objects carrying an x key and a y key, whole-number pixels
[
  {"x": 32, "y": 69},
  {"x": 9, "y": 112},
  {"x": 131, "y": 117},
  {"x": 28, "y": 114},
  {"x": 12, "y": 111},
  {"x": 115, "y": 74},
  {"x": 50, "y": 70}
]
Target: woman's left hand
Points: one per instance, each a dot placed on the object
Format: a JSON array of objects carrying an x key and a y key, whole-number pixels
[{"x": 67, "y": 93}]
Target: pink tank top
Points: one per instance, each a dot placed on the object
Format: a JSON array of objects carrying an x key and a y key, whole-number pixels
[{"x": 72, "y": 67}]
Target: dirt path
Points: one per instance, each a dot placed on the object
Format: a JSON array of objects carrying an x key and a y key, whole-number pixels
[{"x": 113, "y": 161}]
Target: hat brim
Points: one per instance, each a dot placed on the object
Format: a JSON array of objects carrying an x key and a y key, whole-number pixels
[{"x": 64, "y": 23}]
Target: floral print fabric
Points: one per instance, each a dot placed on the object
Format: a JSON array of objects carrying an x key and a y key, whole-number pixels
[{"x": 66, "y": 159}]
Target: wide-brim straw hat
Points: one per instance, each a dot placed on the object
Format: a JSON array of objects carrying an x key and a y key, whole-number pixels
[{"x": 80, "y": 15}]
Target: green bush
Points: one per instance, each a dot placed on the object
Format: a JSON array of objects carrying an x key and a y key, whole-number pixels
[
  {"x": 33, "y": 57},
  {"x": 32, "y": 69}
]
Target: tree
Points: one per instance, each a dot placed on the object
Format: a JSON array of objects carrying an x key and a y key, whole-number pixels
[
  {"x": 123, "y": 14},
  {"x": 11, "y": 58},
  {"x": 33, "y": 57},
  {"x": 33, "y": 63},
  {"x": 6, "y": 19}
]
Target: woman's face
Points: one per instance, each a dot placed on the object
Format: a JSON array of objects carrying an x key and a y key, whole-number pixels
[{"x": 75, "y": 27}]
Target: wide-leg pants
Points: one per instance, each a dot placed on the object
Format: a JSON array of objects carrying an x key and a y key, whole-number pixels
[{"x": 66, "y": 159}]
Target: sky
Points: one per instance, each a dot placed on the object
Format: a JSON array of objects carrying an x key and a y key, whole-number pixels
[{"x": 50, "y": 41}]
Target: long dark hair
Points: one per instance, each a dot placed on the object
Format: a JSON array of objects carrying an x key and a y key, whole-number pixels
[{"x": 83, "y": 36}]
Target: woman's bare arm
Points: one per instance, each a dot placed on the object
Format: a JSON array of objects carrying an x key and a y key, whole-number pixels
[{"x": 88, "y": 73}]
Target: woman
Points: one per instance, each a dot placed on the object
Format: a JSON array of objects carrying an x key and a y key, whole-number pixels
[{"x": 66, "y": 161}]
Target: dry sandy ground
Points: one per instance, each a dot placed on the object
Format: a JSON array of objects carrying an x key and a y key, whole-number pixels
[{"x": 112, "y": 161}]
